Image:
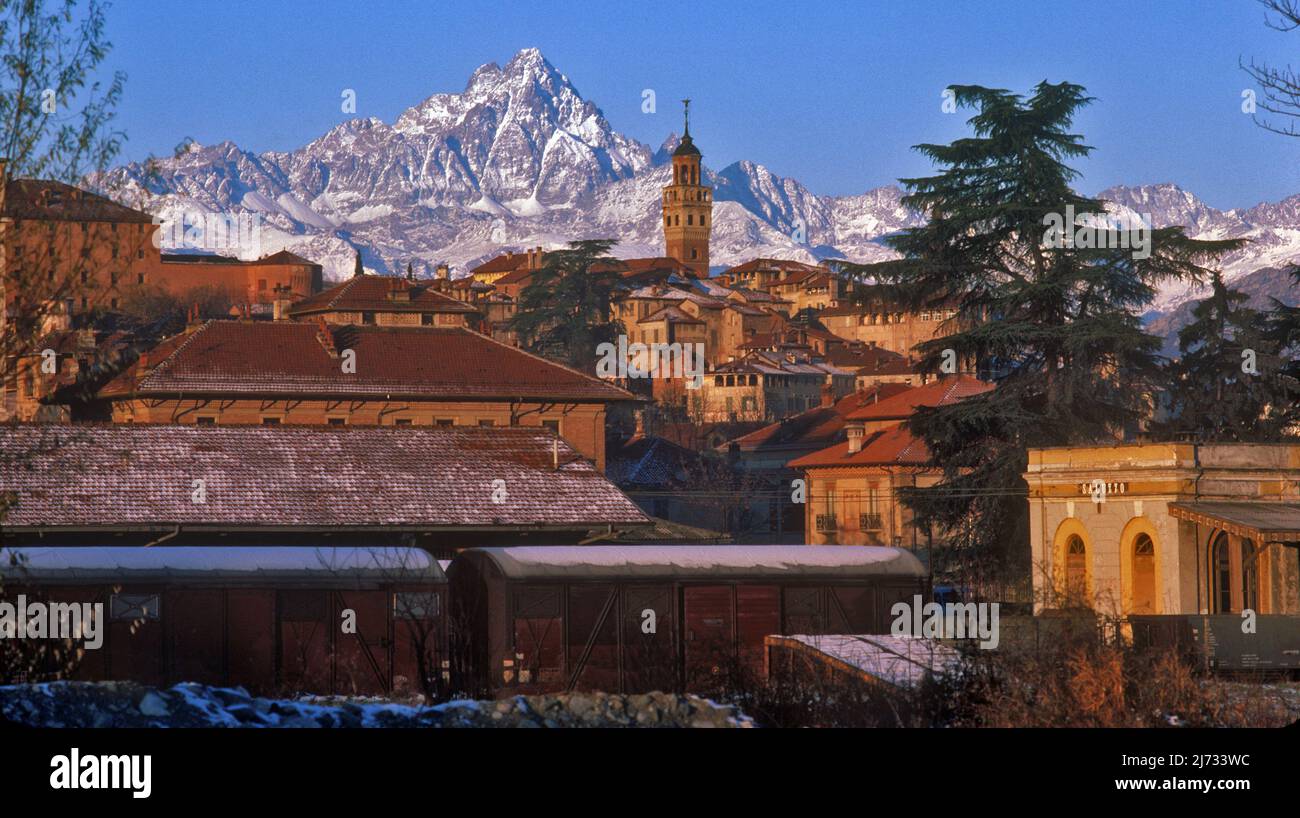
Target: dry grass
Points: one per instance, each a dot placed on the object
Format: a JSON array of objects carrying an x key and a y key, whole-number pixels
[{"x": 1073, "y": 683}]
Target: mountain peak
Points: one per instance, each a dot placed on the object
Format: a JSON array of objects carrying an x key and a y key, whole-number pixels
[
  {"x": 520, "y": 158},
  {"x": 528, "y": 58}
]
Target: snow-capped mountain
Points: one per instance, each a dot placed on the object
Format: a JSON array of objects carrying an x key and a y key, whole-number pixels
[
  {"x": 517, "y": 159},
  {"x": 520, "y": 159}
]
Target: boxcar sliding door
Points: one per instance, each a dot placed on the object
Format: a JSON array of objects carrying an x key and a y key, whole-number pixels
[
  {"x": 538, "y": 662},
  {"x": 649, "y": 649},
  {"x": 593, "y": 660},
  {"x": 709, "y": 633}
]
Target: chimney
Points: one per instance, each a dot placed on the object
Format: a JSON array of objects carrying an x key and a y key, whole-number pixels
[
  {"x": 444, "y": 272},
  {"x": 325, "y": 337},
  {"x": 828, "y": 396},
  {"x": 856, "y": 432},
  {"x": 280, "y": 306},
  {"x": 640, "y": 423}
]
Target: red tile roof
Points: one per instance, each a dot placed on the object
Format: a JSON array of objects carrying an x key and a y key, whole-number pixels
[
  {"x": 887, "y": 447},
  {"x": 629, "y": 267},
  {"x": 843, "y": 309},
  {"x": 671, "y": 314},
  {"x": 819, "y": 426},
  {"x": 502, "y": 263},
  {"x": 756, "y": 264},
  {"x": 258, "y": 477},
  {"x": 520, "y": 276},
  {"x": 54, "y": 201},
  {"x": 869, "y": 360},
  {"x": 938, "y": 393},
  {"x": 285, "y": 257},
  {"x": 287, "y": 358},
  {"x": 367, "y": 293}
]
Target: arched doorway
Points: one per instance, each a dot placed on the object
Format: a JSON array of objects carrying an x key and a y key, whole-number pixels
[
  {"x": 1076, "y": 572},
  {"x": 1144, "y": 575},
  {"x": 1249, "y": 576},
  {"x": 1220, "y": 574}
]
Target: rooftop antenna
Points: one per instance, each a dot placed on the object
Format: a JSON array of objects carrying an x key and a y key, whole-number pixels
[{"x": 686, "y": 114}]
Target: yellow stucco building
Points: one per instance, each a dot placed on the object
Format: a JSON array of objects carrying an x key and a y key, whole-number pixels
[{"x": 1170, "y": 528}]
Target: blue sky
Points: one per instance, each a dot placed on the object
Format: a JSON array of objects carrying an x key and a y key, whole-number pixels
[{"x": 832, "y": 93}]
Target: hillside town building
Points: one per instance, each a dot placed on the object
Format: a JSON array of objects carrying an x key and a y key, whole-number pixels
[
  {"x": 222, "y": 373},
  {"x": 853, "y": 487},
  {"x": 385, "y": 301}
]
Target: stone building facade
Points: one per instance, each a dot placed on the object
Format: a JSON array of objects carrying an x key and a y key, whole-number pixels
[{"x": 1169, "y": 528}]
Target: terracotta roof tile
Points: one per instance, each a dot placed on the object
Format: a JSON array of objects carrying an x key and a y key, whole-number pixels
[
  {"x": 770, "y": 264},
  {"x": 887, "y": 447},
  {"x": 91, "y": 475},
  {"x": 819, "y": 426},
  {"x": 369, "y": 293},
  {"x": 55, "y": 201},
  {"x": 939, "y": 393},
  {"x": 502, "y": 263},
  {"x": 238, "y": 358}
]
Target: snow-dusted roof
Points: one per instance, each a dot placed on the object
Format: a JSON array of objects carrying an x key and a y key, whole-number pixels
[
  {"x": 841, "y": 561},
  {"x": 257, "y": 564},
  {"x": 903, "y": 661}
]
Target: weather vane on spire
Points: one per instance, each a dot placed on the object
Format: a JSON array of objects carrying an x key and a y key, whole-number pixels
[{"x": 686, "y": 113}]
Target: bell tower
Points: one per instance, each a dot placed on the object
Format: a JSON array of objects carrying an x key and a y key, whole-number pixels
[{"x": 688, "y": 206}]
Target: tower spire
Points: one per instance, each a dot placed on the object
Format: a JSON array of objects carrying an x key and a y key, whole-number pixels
[{"x": 687, "y": 205}]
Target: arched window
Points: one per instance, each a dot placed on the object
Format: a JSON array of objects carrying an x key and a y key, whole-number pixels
[
  {"x": 1220, "y": 575},
  {"x": 1144, "y": 575},
  {"x": 1249, "y": 575},
  {"x": 1076, "y": 571}
]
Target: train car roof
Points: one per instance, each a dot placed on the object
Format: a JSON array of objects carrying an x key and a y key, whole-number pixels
[
  {"x": 257, "y": 563},
  {"x": 700, "y": 561}
]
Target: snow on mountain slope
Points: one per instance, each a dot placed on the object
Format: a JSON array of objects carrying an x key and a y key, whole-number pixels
[{"x": 519, "y": 158}]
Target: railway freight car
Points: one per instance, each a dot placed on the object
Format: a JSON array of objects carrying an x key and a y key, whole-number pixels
[
  {"x": 1219, "y": 642},
  {"x": 272, "y": 619},
  {"x": 640, "y": 618}
]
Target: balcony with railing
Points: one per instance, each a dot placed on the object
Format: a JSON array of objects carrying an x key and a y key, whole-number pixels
[
  {"x": 870, "y": 521},
  {"x": 826, "y": 522}
]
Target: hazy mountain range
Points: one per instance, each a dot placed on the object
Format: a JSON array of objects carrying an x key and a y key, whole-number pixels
[{"x": 520, "y": 159}]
